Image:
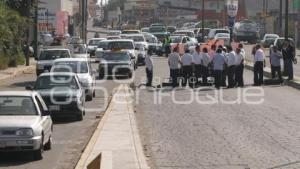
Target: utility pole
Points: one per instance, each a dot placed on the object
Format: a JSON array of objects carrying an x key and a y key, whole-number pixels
[
  {"x": 280, "y": 17},
  {"x": 286, "y": 29},
  {"x": 36, "y": 20},
  {"x": 203, "y": 3}
]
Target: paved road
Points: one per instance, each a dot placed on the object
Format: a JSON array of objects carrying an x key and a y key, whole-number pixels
[
  {"x": 220, "y": 136},
  {"x": 248, "y": 49},
  {"x": 69, "y": 136}
]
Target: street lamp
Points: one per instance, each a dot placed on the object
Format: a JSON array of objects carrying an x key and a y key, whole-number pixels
[
  {"x": 286, "y": 29},
  {"x": 203, "y": 3}
]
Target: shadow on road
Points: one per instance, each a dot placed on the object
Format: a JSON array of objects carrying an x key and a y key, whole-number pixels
[
  {"x": 8, "y": 159},
  {"x": 24, "y": 84}
]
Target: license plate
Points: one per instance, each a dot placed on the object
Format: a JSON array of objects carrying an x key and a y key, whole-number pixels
[
  {"x": 2, "y": 144},
  {"x": 54, "y": 108}
]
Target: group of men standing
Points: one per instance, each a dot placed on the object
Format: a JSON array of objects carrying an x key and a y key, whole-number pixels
[{"x": 195, "y": 68}]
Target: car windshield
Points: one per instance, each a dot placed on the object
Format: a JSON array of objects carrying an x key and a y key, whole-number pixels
[
  {"x": 102, "y": 45},
  {"x": 52, "y": 81},
  {"x": 137, "y": 38},
  {"x": 53, "y": 54},
  {"x": 120, "y": 45},
  {"x": 116, "y": 57},
  {"x": 94, "y": 42},
  {"x": 176, "y": 39},
  {"x": 17, "y": 106},
  {"x": 130, "y": 32},
  {"x": 80, "y": 49},
  {"x": 157, "y": 29},
  {"x": 72, "y": 67}
]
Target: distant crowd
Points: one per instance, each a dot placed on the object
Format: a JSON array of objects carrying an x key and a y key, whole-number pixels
[{"x": 225, "y": 65}]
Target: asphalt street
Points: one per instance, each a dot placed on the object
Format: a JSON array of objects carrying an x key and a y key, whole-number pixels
[{"x": 198, "y": 135}]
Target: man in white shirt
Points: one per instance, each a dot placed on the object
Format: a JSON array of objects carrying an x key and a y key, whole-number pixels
[
  {"x": 174, "y": 64},
  {"x": 187, "y": 68},
  {"x": 239, "y": 67},
  {"x": 259, "y": 59},
  {"x": 149, "y": 69},
  {"x": 197, "y": 57},
  {"x": 205, "y": 63},
  {"x": 231, "y": 61}
]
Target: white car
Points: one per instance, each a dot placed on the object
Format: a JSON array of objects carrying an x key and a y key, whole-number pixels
[
  {"x": 223, "y": 36},
  {"x": 114, "y": 33},
  {"x": 47, "y": 56},
  {"x": 212, "y": 33},
  {"x": 93, "y": 44},
  {"x": 83, "y": 69},
  {"x": 80, "y": 51},
  {"x": 138, "y": 39},
  {"x": 25, "y": 123}
]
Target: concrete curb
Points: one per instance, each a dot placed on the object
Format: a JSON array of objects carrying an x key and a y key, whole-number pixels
[
  {"x": 17, "y": 72},
  {"x": 107, "y": 161},
  {"x": 267, "y": 72}
]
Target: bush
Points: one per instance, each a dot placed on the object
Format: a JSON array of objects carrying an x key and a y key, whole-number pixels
[{"x": 12, "y": 31}]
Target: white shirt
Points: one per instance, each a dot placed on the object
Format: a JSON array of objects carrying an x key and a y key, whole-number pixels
[
  {"x": 149, "y": 62},
  {"x": 205, "y": 59},
  {"x": 197, "y": 57},
  {"x": 240, "y": 58},
  {"x": 259, "y": 56},
  {"x": 187, "y": 59},
  {"x": 174, "y": 60},
  {"x": 219, "y": 61},
  {"x": 231, "y": 58}
]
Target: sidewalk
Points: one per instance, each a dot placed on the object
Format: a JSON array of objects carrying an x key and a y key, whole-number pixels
[
  {"x": 116, "y": 137},
  {"x": 16, "y": 71}
]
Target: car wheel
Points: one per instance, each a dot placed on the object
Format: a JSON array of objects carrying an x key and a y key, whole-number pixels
[
  {"x": 89, "y": 97},
  {"x": 38, "y": 154},
  {"x": 48, "y": 145},
  {"x": 130, "y": 75},
  {"x": 80, "y": 116},
  {"x": 101, "y": 76},
  {"x": 94, "y": 93}
]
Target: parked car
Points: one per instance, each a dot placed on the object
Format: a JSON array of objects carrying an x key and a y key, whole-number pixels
[
  {"x": 145, "y": 29},
  {"x": 83, "y": 69},
  {"x": 62, "y": 93},
  {"x": 123, "y": 45},
  {"x": 212, "y": 33},
  {"x": 25, "y": 123},
  {"x": 93, "y": 44},
  {"x": 114, "y": 33},
  {"x": 269, "y": 39},
  {"x": 223, "y": 36},
  {"x": 188, "y": 33},
  {"x": 184, "y": 42},
  {"x": 199, "y": 36},
  {"x": 131, "y": 32},
  {"x": 116, "y": 63},
  {"x": 47, "y": 56},
  {"x": 138, "y": 39},
  {"x": 246, "y": 30},
  {"x": 80, "y": 51},
  {"x": 171, "y": 29}
]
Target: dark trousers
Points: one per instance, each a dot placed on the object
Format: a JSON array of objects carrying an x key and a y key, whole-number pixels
[
  {"x": 230, "y": 73},
  {"x": 218, "y": 78},
  {"x": 175, "y": 77},
  {"x": 258, "y": 73},
  {"x": 288, "y": 67},
  {"x": 197, "y": 72},
  {"x": 149, "y": 77},
  {"x": 187, "y": 75},
  {"x": 239, "y": 75},
  {"x": 224, "y": 74},
  {"x": 276, "y": 70},
  {"x": 167, "y": 50},
  {"x": 204, "y": 75}
]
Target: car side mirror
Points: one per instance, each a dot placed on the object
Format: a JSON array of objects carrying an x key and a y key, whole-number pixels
[
  {"x": 46, "y": 113},
  {"x": 29, "y": 88}
]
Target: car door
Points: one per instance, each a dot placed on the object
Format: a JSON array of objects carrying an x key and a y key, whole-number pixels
[{"x": 46, "y": 121}]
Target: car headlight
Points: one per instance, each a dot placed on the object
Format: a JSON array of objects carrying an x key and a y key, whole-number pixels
[{"x": 24, "y": 132}]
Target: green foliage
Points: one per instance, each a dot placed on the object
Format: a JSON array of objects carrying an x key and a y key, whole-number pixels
[{"x": 12, "y": 31}]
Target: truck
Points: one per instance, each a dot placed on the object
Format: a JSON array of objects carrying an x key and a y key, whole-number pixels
[{"x": 246, "y": 30}]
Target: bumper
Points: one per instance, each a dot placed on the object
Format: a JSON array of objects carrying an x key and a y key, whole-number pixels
[
  {"x": 20, "y": 144},
  {"x": 118, "y": 72},
  {"x": 141, "y": 59}
]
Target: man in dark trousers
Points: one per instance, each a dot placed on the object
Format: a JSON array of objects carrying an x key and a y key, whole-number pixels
[
  {"x": 275, "y": 58},
  {"x": 187, "y": 68},
  {"x": 167, "y": 45},
  {"x": 218, "y": 67},
  {"x": 288, "y": 52},
  {"x": 231, "y": 61},
  {"x": 259, "y": 59},
  {"x": 149, "y": 70},
  {"x": 239, "y": 67}
]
